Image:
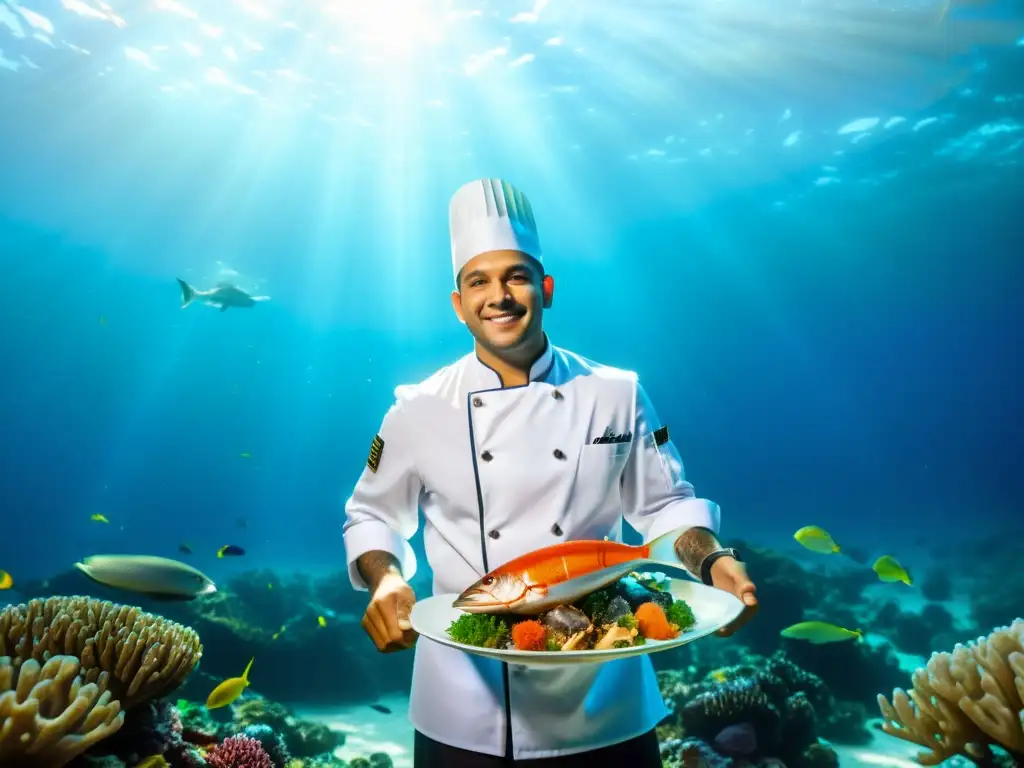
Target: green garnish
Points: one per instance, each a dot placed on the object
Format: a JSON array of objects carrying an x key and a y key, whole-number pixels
[
  {"x": 680, "y": 614},
  {"x": 479, "y": 629}
]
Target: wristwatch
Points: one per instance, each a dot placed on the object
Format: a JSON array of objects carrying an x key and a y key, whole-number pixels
[{"x": 705, "y": 566}]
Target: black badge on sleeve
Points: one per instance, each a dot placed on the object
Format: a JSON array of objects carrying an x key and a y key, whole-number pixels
[
  {"x": 376, "y": 449},
  {"x": 661, "y": 436}
]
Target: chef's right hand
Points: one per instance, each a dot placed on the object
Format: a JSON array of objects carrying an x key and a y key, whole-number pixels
[{"x": 386, "y": 620}]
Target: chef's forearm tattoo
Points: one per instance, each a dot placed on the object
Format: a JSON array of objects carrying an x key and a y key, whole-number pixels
[
  {"x": 375, "y": 565},
  {"x": 694, "y": 545}
]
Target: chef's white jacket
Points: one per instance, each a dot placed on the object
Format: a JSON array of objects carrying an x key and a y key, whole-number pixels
[{"x": 499, "y": 472}]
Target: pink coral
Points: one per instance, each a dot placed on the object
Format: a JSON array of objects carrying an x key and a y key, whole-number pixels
[{"x": 239, "y": 752}]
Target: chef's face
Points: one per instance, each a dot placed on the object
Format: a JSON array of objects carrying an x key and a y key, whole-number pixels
[{"x": 501, "y": 297}]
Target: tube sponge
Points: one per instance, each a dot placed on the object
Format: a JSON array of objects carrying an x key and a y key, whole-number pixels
[
  {"x": 48, "y": 716},
  {"x": 963, "y": 702},
  {"x": 142, "y": 655}
]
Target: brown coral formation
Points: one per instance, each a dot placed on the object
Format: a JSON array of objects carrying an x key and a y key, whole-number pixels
[
  {"x": 48, "y": 715},
  {"x": 963, "y": 702},
  {"x": 143, "y": 655}
]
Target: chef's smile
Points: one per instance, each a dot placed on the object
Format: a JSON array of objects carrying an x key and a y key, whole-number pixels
[{"x": 505, "y": 320}]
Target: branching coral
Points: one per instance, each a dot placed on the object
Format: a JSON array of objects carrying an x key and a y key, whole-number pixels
[
  {"x": 239, "y": 752},
  {"x": 48, "y": 716},
  {"x": 144, "y": 656},
  {"x": 963, "y": 702}
]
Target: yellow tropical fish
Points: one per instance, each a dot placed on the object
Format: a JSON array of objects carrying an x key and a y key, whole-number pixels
[
  {"x": 321, "y": 621},
  {"x": 229, "y": 690},
  {"x": 889, "y": 570},
  {"x": 245, "y": 455},
  {"x": 153, "y": 761},
  {"x": 278, "y": 633},
  {"x": 816, "y": 539},
  {"x": 6, "y": 581},
  {"x": 818, "y": 632},
  {"x": 98, "y": 518}
]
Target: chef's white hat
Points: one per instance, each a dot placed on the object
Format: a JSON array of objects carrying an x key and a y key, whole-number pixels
[{"x": 490, "y": 215}]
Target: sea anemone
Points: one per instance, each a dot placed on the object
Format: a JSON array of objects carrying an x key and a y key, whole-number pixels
[
  {"x": 653, "y": 623},
  {"x": 529, "y": 635}
]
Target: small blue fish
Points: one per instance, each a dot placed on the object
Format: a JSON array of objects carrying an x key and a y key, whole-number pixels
[{"x": 230, "y": 549}]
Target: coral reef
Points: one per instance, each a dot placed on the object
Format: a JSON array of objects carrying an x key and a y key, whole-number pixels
[
  {"x": 239, "y": 752},
  {"x": 753, "y": 699},
  {"x": 765, "y": 708},
  {"x": 48, "y": 716},
  {"x": 153, "y": 728},
  {"x": 100, "y": 658},
  {"x": 143, "y": 655},
  {"x": 272, "y": 616},
  {"x": 81, "y": 681},
  {"x": 271, "y": 741},
  {"x": 187, "y": 736},
  {"x": 915, "y": 632},
  {"x": 994, "y": 581},
  {"x": 301, "y": 737},
  {"x": 852, "y": 671},
  {"x": 964, "y": 702},
  {"x": 376, "y": 760}
]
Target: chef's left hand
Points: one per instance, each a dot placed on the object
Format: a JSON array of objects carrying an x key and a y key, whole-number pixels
[{"x": 731, "y": 575}]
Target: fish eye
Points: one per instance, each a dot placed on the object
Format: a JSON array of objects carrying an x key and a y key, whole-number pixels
[{"x": 487, "y": 581}]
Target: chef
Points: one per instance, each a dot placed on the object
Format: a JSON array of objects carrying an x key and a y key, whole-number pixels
[{"x": 519, "y": 445}]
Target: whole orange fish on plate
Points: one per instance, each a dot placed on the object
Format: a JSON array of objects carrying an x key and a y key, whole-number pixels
[{"x": 562, "y": 574}]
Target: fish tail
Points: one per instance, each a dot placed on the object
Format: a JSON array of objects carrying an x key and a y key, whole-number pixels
[
  {"x": 245, "y": 675},
  {"x": 187, "y": 293},
  {"x": 662, "y": 549}
]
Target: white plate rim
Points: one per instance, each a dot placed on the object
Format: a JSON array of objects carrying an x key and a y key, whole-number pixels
[{"x": 560, "y": 658}]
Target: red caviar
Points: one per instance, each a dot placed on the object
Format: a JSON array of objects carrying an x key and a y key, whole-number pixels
[
  {"x": 529, "y": 635},
  {"x": 653, "y": 624}
]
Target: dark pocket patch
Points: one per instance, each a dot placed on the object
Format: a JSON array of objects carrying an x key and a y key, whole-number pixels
[{"x": 661, "y": 436}]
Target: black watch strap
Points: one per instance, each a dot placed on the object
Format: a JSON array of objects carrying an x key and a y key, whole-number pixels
[{"x": 705, "y": 567}]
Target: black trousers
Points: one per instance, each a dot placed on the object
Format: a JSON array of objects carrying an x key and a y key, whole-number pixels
[{"x": 641, "y": 752}]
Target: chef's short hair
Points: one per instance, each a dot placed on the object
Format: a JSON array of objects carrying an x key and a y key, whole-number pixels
[{"x": 527, "y": 259}]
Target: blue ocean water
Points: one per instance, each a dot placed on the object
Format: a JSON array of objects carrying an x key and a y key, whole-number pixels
[{"x": 799, "y": 222}]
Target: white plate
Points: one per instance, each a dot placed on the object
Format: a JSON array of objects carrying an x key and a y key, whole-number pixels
[{"x": 713, "y": 609}]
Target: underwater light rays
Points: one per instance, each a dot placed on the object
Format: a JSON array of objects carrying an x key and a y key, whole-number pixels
[
  {"x": 330, "y": 263},
  {"x": 531, "y": 155},
  {"x": 768, "y": 46}
]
